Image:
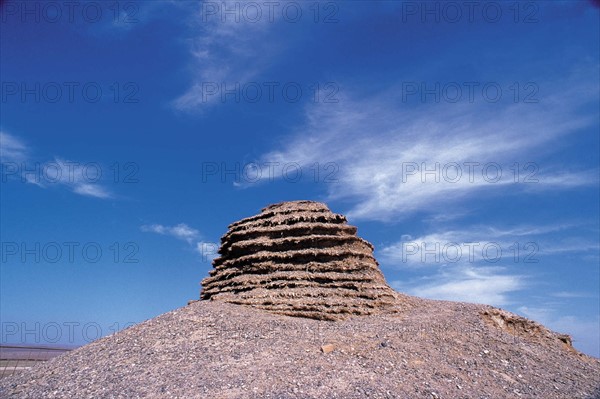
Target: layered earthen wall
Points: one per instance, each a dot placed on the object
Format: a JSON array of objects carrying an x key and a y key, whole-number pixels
[{"x": 299, "y": 259}]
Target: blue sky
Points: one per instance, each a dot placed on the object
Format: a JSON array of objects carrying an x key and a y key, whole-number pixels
[{"x": 461, "y": 138}]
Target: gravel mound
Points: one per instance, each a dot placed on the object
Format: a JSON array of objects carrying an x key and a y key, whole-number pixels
[
  {"x": 213, "y": 349},
  {"x": 296, "y": 307}
]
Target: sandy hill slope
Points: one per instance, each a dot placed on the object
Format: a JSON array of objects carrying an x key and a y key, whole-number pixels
[
  {"x": 296, "y": 307},
  {"x": 212, "y": 349}
]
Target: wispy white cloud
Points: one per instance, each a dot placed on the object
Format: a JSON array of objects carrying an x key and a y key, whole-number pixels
[
  {"x": 488, "y": 244},
  {"x": 12, "y": 149},
  {"x": 584, "y": 246},
  {"x": 74, "y": 176},
  {"x": 19, "y": 164},
  {"x": 91, "y": 190},
  {"x": 181, "y": 231},
  {"x": 384, "y": 150},
  {"x": 489, "y": 285},
  {"x": 472, "y": 264},
  {"x": 227, "y": 49}
]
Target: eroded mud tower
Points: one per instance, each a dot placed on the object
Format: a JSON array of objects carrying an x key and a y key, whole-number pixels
[{"x": 298, "y": 259}]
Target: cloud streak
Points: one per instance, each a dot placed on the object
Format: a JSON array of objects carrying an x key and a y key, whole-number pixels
[
  {"x": 487, "y": 244},
  {"x": 395, "y": 160},
  {"x": 18, "y": 164},
  {"x": 489, "y": 285},
  {"x": 12, "y": 149},
  {"x": 183, "y": 232},
  {"x": 226, "y": 51}
]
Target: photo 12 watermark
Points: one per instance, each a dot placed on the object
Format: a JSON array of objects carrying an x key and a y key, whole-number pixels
[
  {"x": 452, "y": 12},
  {"x": 318, "y": 12},
  {"x": 208, "y": 250},
  {"x": 71, "y": 12},
  {"x": 254, "y": 172},
  {"x": 69, "y": 252},
  {"x": 69, "y": 172},
  {"x": 69, "y": 92},
  {"x": 68, "y": 332},
  {"x": 469, "y": 252},
  {"x": 268, "y": 92},
  {"x": 468, "y": 172},
  {"x": 454, "y": 92}
]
